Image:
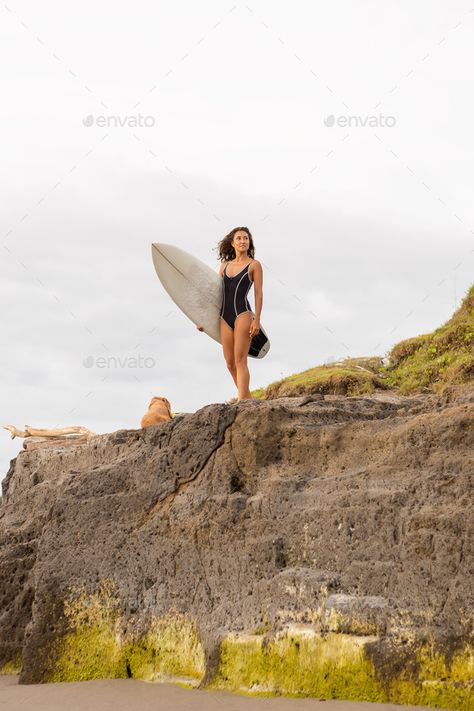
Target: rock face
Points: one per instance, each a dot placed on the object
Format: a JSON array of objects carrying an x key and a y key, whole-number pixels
[{"x": 319, "y": 545}]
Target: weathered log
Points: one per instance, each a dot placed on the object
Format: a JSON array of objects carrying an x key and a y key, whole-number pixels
[{"x": 35, "y": 432}]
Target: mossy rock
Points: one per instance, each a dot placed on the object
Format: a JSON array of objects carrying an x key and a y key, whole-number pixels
[
  {"x": 338, "y": 666},
  {"x": 293, "y": 662},
  {"x": 352, "y": 376},
  {"x": 95, "y": 645}
]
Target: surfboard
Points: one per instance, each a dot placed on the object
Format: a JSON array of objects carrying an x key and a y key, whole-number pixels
[{"x": 198, "y": 291}]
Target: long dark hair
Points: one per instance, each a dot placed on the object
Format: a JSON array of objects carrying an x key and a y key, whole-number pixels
[{"x": 226, "y": 250}]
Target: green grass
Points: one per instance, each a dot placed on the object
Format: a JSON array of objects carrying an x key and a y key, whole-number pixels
[
  {"x": 436, "y": 360},
  {"x": 425, "y": 363}
]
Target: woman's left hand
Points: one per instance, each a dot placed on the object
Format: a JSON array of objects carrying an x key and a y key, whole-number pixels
[{"x": 254, "y": 327}]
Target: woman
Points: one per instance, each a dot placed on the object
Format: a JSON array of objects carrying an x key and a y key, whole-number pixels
[{"x": 238, "y": 323}]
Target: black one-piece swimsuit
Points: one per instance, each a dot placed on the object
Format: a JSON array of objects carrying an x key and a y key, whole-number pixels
[{"x": 234, "y": 295}]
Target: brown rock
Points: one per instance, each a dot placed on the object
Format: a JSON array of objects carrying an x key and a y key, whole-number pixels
[{"x": 350, "y": 514}]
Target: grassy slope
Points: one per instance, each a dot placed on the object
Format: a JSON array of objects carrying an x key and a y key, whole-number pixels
[{"x": 429, "y": 362}]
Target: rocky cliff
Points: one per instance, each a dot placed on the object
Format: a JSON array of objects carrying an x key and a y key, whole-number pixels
[{"x": 317, "y": 545}]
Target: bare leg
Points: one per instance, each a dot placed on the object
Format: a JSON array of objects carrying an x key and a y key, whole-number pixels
[
  {"x": 233, "y": 372},
  {"x": 227, "y": 339},
  {"x": 242, "y": 340}
]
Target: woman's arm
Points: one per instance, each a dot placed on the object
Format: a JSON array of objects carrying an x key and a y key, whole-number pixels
[{"x": 257, "y": 276}]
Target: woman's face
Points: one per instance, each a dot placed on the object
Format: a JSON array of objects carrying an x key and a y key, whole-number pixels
[{"x": 241, "y": 242}]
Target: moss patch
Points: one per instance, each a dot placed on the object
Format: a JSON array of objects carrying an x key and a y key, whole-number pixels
[
  {"x": 336, "y": 666},
  {"x": 338, "y": 621},
  {"x": 439, "y": 684},
  {"x": 92, "y": 649},
  {"x": 13, "y": 666},
  {"x": 332, "y": 667},
  {"x": 96, "y": 646},
  {"x": 169, "y": 648}
]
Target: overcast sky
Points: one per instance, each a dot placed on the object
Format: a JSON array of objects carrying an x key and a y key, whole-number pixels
[{"x": 339, "y": 133}]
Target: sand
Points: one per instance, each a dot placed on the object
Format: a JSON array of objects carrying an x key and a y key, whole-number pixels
[{"x": 125, "y": 694}]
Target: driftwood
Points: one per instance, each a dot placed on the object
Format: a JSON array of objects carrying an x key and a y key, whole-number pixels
[
  {"x": 34, "y": 432},
  {"x": 63, "y": 437}
]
